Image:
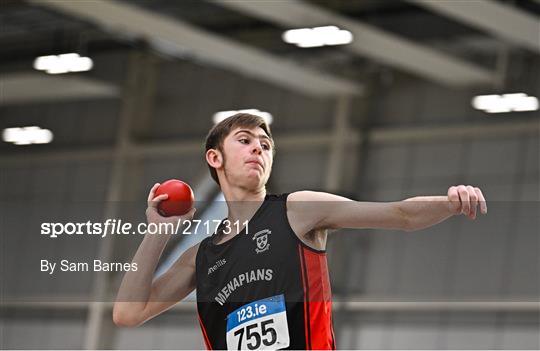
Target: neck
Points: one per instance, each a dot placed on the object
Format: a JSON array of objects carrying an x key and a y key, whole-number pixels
[{"x": 242, "y": 203}]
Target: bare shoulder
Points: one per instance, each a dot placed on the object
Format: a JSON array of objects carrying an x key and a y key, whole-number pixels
[
  {"x": 300, "y": 195},
  {"x": 306, "y": 211},
  {"x": 311, "y": 202},
  {"x": 296, "y": 201},
  {"x": 309, "y": 195}
]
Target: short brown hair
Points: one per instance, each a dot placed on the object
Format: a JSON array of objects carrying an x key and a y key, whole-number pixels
[{"x": 218, "y": 133}]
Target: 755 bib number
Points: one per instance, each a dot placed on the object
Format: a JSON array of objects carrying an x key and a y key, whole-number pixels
[{"x": 259, "y": 325}]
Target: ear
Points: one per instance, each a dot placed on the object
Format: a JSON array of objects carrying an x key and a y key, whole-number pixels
[{"x": 214, "y": 158}]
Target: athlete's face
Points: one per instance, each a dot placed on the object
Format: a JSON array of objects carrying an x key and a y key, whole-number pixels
[{"x": 248, "y": 157}]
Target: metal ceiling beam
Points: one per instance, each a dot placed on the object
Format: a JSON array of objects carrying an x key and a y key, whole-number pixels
[
  {"x": 453, "y": 132},
  {"x": 185, "y": 40},
  {"x": 501, "y": 20},
  {"x": 370, "y": 42},
  {"x": 18, "y": 88}
]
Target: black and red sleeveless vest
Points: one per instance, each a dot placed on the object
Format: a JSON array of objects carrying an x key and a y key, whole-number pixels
[{"x": 264, "y": 288}]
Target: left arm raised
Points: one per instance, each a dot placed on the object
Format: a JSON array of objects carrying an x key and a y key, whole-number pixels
[{"x": 318, "y": 210}]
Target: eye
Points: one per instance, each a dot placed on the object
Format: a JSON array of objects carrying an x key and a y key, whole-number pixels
[
  {"x": 266, "y": 146},
  {"x": 244, "y": 141}
]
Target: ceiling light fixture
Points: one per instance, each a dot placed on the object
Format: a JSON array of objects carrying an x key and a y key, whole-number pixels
[
  {"x": 516, "y": 102},
  {"x": 221, "y": 115},
  {"x": 317, "y": 36},
  {"x": 27, "y": 135},
  {"x": 58, "y": 64}
]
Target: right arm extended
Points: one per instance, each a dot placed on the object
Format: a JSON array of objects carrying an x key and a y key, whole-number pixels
[{"x": 140, "y": 298}]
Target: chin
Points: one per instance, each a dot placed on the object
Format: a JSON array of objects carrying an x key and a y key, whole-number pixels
[{"x": 253, "y": 181}]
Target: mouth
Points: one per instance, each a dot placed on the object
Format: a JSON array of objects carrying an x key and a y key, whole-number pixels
[{"x": 255, "y": 163}]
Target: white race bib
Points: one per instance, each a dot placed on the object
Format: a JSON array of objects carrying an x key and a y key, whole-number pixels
[{"x": 259, "y": 325}]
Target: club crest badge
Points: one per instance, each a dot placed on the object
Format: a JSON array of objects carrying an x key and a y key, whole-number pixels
[{"x": 261, "y": 240}]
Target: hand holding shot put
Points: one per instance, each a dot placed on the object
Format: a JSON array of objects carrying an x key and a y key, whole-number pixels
[
  {"x": 140, "y": 297},
  {"x": 170, "y": 202}
]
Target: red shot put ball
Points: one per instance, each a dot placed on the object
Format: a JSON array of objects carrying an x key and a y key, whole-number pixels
[{"x": 180, "y": 199}]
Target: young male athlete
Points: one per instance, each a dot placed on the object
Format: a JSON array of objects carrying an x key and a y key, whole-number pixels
[{"x": 264, "y": 284}]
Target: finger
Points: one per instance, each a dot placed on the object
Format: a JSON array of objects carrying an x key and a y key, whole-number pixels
[
  {"x": 453, "y": 197},
  {"x": 482, "y": 200},
  {"x": 152, "y": 193},
  {"x": 474, "y": 201},
  {"x": 158, "y": 199},
  {"x": 464, "y": 197}
]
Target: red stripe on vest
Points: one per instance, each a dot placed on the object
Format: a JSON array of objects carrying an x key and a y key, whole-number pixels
[
  {"x": 206, "y": 340},
  {"x": 306, "y": 305},
  {"x": 319, "y": 297}
]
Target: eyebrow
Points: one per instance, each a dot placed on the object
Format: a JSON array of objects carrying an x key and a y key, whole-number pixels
[{"x": 260, "y": 136}]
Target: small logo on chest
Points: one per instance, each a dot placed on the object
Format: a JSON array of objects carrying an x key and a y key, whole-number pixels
[
  {"x": 218, "y": 264},
  {"x": 261, "y": 240}
]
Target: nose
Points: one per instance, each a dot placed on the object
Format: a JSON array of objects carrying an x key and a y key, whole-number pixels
[{"x": 257, "y": 149}]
